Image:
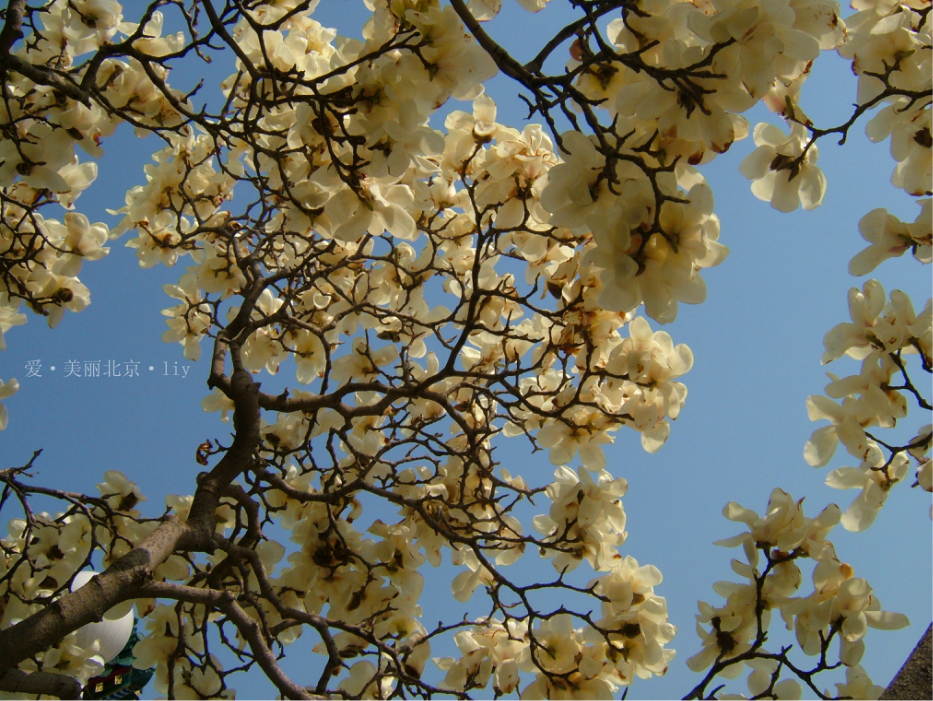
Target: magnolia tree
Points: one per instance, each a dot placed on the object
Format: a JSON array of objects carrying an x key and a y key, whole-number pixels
[{"x": 436, "y": 292}]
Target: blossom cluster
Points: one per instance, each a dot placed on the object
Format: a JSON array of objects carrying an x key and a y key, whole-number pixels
[
  {"x": 840, "y": 606},
  {"x": 883, "y": 334},
  {"x": 888, "y": 44},
  {"x": 591, "y": 661},
  {"x": 44, "y": 126}
]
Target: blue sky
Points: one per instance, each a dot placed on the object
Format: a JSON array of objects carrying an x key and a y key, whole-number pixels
[{"x": 757, "y": 343}]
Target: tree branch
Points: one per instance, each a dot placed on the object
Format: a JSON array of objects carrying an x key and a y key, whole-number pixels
[
  {"x": 44, "y": 76},
  {"x": 503, "y": 59},
  {"x": 40, "y": 683},
  {"x": 250, "y": 629},
  {"x": 89, "y": 603},
  {"x": 13, "y": 26},
  {"x": 122, "y": 580}
]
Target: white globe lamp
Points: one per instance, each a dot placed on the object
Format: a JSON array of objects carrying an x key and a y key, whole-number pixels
[{"x": 113, "y": 631}]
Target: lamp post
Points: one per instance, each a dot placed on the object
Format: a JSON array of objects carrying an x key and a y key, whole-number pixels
[{"x": 115, "y": 637}]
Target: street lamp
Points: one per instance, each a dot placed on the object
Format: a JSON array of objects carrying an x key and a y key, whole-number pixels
[{"x": 114, "y": 629}]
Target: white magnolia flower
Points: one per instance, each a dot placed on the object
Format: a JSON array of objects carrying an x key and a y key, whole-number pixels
[
  {"x": 759, "y": 681},
  {"x": 80, "y": 240},
  {"x": 584, "y": 432},
  {"x": 121, "y": 493},
  {"x": 858, "y": 685},
  {"x": 189, "y": 320},
  {"x": 869, "y": 330},
  {"x": 383, "y": 209},
  {"x": 784, "y": 169},
  {"x": 218, "y": 401},
  {"x": 784, "y": 526},
  {"x": 7, "y": 389},
  {"x": 890, "y": 237},
  {"x": 9, "y": 316},
  {"x": 874, "y": 484},
  {"x": 848, "y": 425},
  {"x": 559, "y": 645},
  {"x": 569, "y": 195}
]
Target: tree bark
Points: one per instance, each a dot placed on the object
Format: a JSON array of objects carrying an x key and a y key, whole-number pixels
[{"x": 44, "y": 683}]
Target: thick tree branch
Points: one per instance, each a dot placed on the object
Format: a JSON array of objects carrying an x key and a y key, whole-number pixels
[
  {"x": 89, "y": 603},
  {"x": 122, "y": 580},
  {"x": 245, "y": 395},
  {"x": 44, "y": 76},
  {"x": 16, "y": 681},
  {"x": 12, "y": 27}
]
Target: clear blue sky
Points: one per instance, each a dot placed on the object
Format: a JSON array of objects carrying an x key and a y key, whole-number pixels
[{"x": 757, "y": 343}]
